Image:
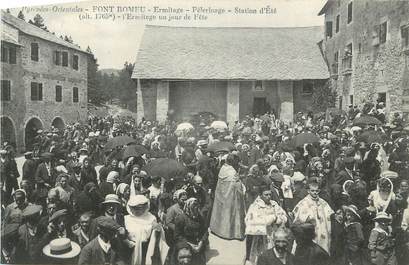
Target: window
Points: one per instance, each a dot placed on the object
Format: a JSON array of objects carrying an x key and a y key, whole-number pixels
[
  {"x": 34, "y": 52},
  {"x": 351, "y": 99},
  {"x": 382, "y": 98},
  {"x": 359, "y": 48},
  {"x": 58, "y": 93},
  {"x": 36, "y": 91},
  {"x": 337, "y": 24},
  {"x": 75, "y": 97},
  {"x": 328, "y": 27},
  {"x": 340, "y": 102},
  {"x": 64, "y": 58},
  {"x": 75, "y": 62},
  {"x": 258, "y": 85},
  {"x": 8, "y": 54},
  {"x": 4, "y": 54},
  {"x": 5, "y": 90},
  {"x": 348, "y": 50},
  {"x": 382, "y": 32},
  {"x": 335, "y": 64},
  {"x": 349, "y": 13},
  {"x": 405, "y": 36},
  {"x": 307, "y": 88},
  {"x": 57, "y": 58}
]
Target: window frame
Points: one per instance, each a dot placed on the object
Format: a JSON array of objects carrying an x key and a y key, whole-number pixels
[
  {"x": 58, "y": 93},
  {"x": 303, "y": 88},
  {"x": 258, "y": 83},
  {"x": 75, "y": 63},
  {"x": 38, "y": 95},
  {"x": 75, "y": 95},
  {"x": 35, "y": 57},
  {"x": 3, "y": 89},
  {"x": 5, "y": 54},
  {"x": 337, "y": 23},
  {"x": 383, "y": 32},
  {"x": 328, "y": 34},
  {"x": 350, "y": 12},
  {"x": 63, "y": 57}
]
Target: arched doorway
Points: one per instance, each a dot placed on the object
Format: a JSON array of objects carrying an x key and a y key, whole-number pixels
[
  {"x": 8, "y": 132},
  {"x": 30, "y": 132},
  {"x": 58, "y": 123}
]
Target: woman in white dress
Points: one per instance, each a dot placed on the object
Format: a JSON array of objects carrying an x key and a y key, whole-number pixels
[{"x": 143, "y": 232}]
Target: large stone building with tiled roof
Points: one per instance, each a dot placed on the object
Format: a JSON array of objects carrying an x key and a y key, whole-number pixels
[
  {"x": 229, "y": 72},
  {"x": 43, "y": 81}
]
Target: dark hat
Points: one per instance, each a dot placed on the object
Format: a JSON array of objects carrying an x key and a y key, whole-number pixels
[
  {"x": 32, "y": 210},
  {"x": 58, "y": 214},
  {"x": 29, "y": 153},
  {"x": 9, "y": 230},
  {"x": 107, "y": 223}
]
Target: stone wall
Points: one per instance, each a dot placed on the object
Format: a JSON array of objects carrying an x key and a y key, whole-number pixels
[
  {"x": 191, "y": 97},
  {"x": 21, "y": 109},
  {"x": 376, "y": 67}
]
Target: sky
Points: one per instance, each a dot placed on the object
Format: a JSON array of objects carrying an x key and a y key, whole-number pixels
[{"x": 114, "y": 42}]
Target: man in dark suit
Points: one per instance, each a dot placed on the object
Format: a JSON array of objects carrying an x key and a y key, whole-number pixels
[
  {"x": 279, "y": 254},
  {"x": 102, "y": 249},
  {"x": 29, "y": 167},
  {"x": 8, "y": 174},
  {"x": 347, "y": 172},
  {"x": 255, "y": 152}
]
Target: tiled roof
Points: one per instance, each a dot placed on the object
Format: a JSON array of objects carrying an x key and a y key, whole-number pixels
[
  {"x": 32, "y": 30},
  {"x": 325, "y": 7},
  {"x": 7, "y": 38},
  {"x": 230, "y": 53}
]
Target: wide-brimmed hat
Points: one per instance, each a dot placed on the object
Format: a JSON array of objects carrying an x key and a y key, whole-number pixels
[
  {"x": 201, "y": 142},
  {"x": 382, "y": 216},
  {"x": 135, "y": 201},
  {"x": 353, "y": 209},
  {"x": 31, "y": 211},
  {"x": 111, "y": 198},
  {"x": 29, "y": 153},
  {"x": 62, "y": 248},
  {"x": 47, "y": 155}
]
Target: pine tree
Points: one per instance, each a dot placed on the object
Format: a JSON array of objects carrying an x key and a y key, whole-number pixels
[{"x": 21, "y": 15}]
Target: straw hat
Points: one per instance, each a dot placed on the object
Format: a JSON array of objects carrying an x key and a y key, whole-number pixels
[
  {"x": 62, "y": 248},
  {"x": 353, "y": 209},
  {"x": 111, "y": 198},
  {"x": 382, "y": 216}
]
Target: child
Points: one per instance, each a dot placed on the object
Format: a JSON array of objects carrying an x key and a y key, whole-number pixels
[
  {"x": 354, "y": 236},
  {"x": 381, "y": 243}
]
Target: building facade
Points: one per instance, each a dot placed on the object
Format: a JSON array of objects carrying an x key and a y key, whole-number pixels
[
  {"x": 230, "y": 72},
  {"x": 366, "y": 45},
  {"x": 43, "y": 82}
]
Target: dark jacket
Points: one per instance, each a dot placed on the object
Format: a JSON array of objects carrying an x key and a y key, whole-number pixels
[
  {"x": 92, "y": 253},
  {"x": 269, "y": 258},
  {"x": 311, "y": 254},
  {"x": 29, "y": 169},
  {"x": 43, "y": 176}
]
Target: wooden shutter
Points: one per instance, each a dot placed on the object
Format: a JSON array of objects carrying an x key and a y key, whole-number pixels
[
  {"x": 33, "y": 91},
  {"x": 12, "y": 52}
]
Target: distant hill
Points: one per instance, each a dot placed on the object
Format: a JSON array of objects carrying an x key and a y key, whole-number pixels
[{"x": 110, "y": 71}]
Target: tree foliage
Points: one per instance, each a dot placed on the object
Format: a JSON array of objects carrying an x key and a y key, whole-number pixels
[
  {"x": 323, "y": 97},
  {"x": 118, "y": 87}
]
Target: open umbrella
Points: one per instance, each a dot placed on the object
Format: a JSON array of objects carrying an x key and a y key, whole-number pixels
[
  {"x": 220, "y": 146},
  {"x": 165, "y": 168},
  {"x": 372, "y": 137},
  {"x": 185, "y": 126},
  {"x": 219, "y": 125},
  {"x": 118, "y": 141},
  {"x": 134, "y": 150},
  {"x": 305, "y": 138},
  {"x": 367, "y": 120}
]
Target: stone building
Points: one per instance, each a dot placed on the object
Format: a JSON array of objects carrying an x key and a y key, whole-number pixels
[
  {"x": 230, "y": 72},
  {"x": 43, "y": 81},
  {"x": 366, "y": 46}
]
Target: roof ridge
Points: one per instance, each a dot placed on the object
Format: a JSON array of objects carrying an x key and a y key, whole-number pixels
[{"x": 4, "y": 15}]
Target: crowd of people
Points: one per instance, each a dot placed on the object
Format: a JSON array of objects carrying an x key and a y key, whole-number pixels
[{"x": 321, "y": 190}]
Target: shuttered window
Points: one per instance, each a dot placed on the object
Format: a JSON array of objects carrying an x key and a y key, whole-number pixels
[
  {"x": 5, "y": 90},
  {"x": 58, "y": 93},
  {"x": 75, "y": 96},
  {"x": 36, "y": 91},
  {"x": 34, "y": 52}
]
